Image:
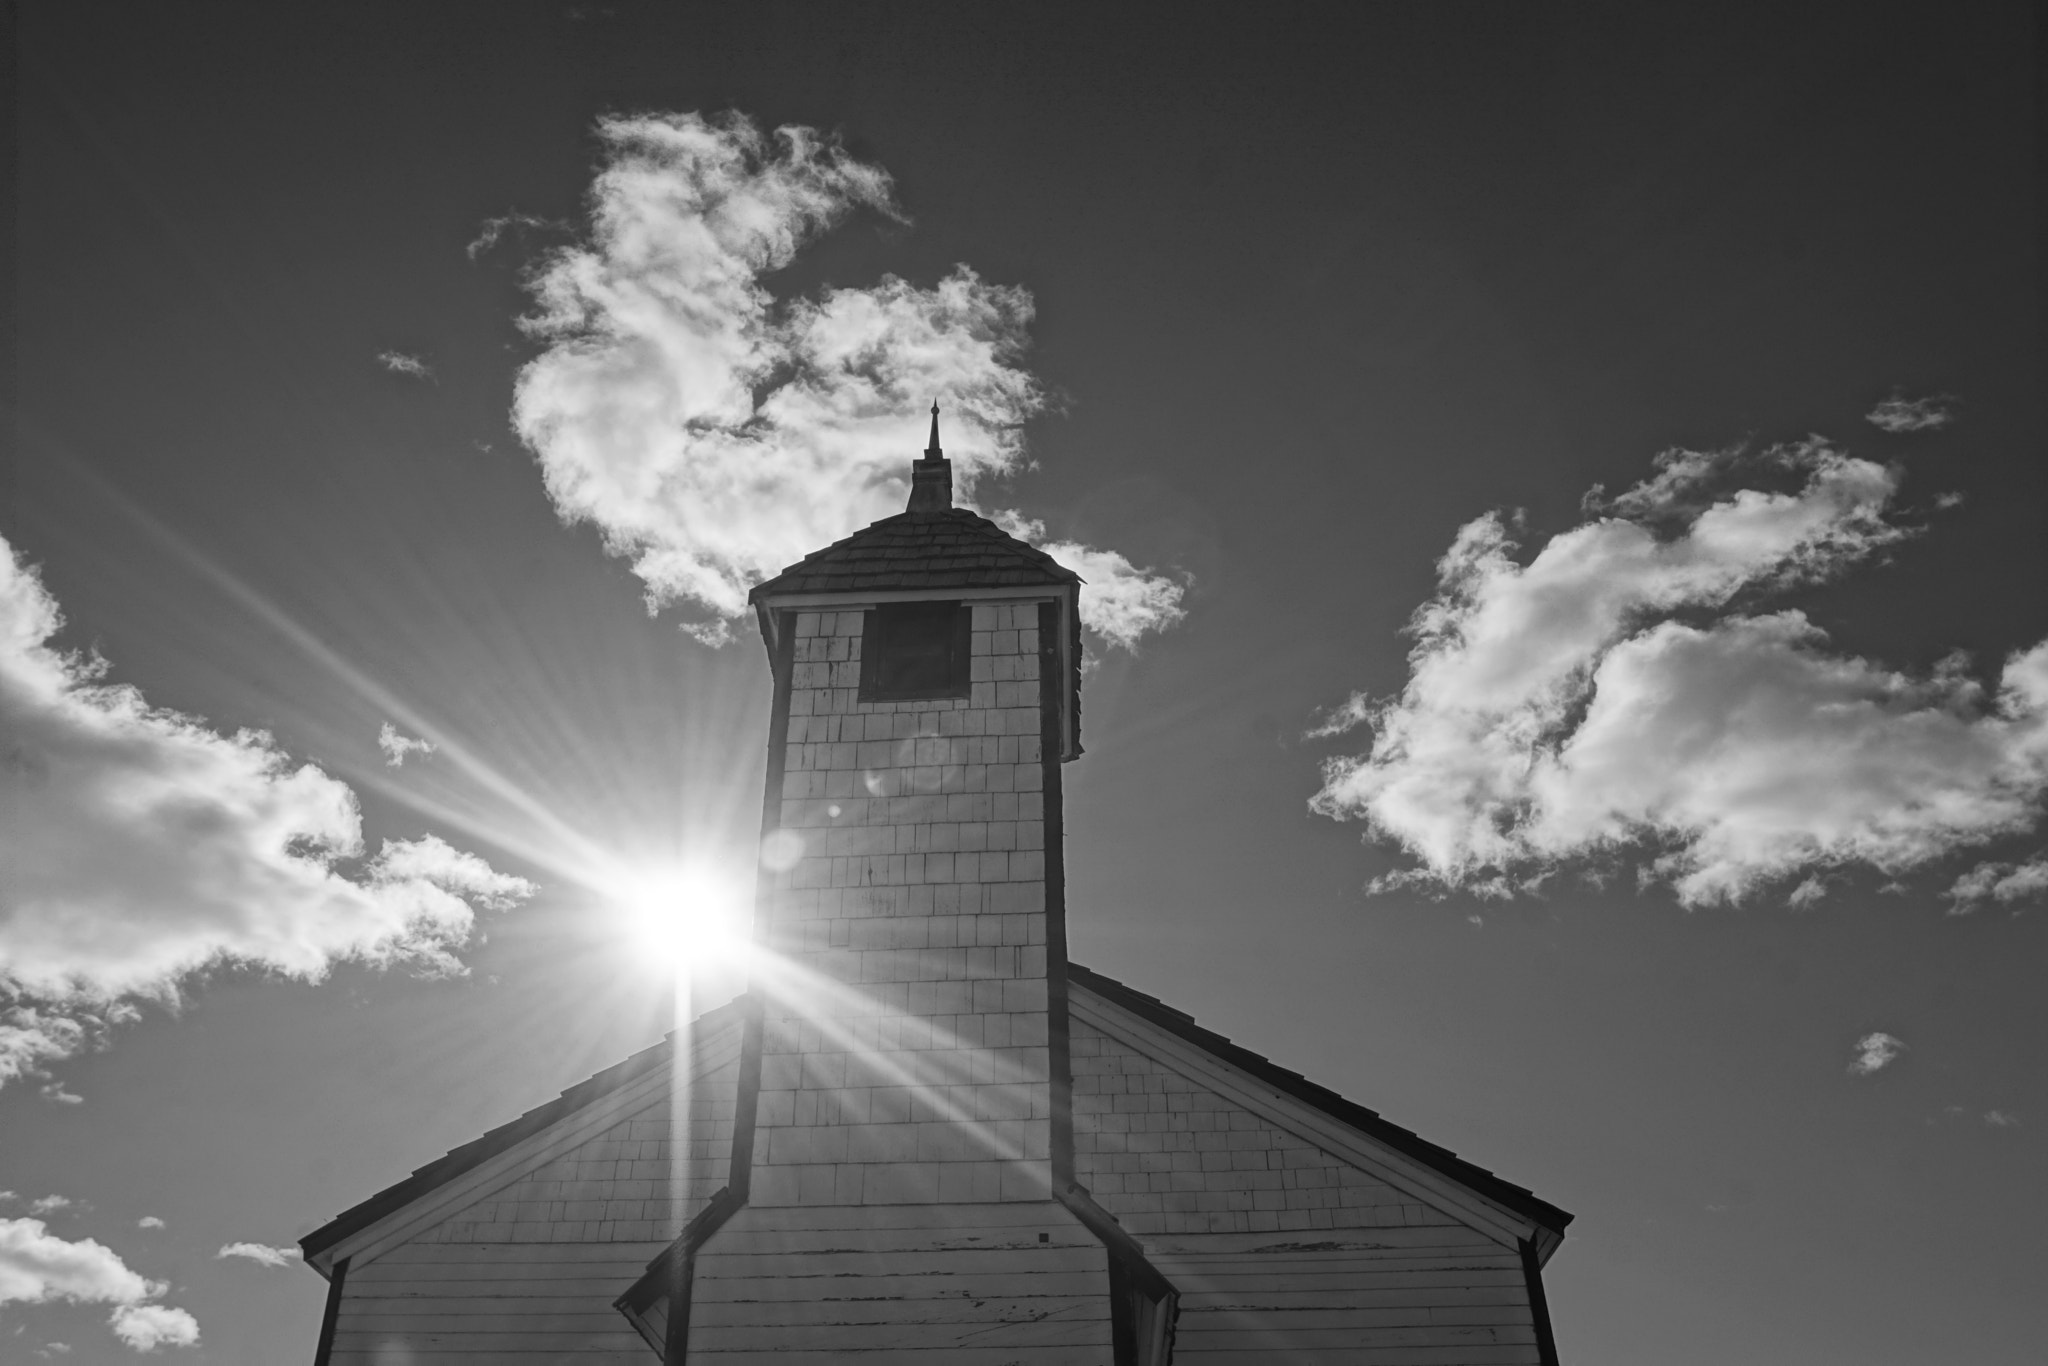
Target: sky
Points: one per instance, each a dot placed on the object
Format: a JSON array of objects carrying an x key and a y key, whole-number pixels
[{"x": 1561, "y": 493}]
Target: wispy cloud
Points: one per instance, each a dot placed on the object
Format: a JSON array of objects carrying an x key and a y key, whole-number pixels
[
  {"x": 715, "y": 434},
  {"x": 495, "y": 230},
  {"x": 398, "y": 746},
  {"x": 1606, "y": 697},
  {"x": 261, "y": 1253},
  {"x": 404, "y": 363},
  {"x": 49, "y": 1204},
  {"x": 2007, "y": 882},
  {"x": 149, "y": 1221},
  {"x": 1900, "y": 414},
  {"x": 145, "y": 846},
  {"x": 1999, "y": 1119},
  {"x": 1874, "y": 1052},
  {"x": 36, "y": 1267}
]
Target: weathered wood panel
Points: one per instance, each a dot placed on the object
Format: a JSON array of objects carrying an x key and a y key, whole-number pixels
[{"x": 1024, "y": 1284}]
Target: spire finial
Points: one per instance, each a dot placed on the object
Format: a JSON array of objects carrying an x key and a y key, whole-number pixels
[{"x": 931, "y": 479}]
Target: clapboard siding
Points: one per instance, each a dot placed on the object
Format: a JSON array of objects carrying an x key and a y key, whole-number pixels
[
  {"x": 529, "y": 1271},
  {"x": 425, "y": 1302},
  {"x": 1357, "y": 1306},
  {"x": 940, "y": 1283}
]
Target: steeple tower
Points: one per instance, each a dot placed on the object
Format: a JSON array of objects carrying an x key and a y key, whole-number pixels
[{"x": 904, "y": 1092}]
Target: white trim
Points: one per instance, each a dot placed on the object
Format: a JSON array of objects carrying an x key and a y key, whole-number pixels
[
  {"x": 523, "y": 1158},
  {"x": 1287, "y": 1112}
]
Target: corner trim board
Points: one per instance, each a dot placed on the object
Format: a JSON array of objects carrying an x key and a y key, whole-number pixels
[{"x": 323, "y": 1351}]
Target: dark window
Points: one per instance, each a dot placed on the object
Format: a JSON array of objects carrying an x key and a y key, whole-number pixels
[{"x": 914, "y": 650}]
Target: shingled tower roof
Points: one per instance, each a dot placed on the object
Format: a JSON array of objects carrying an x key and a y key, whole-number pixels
[{"x": 931, "y": 545}]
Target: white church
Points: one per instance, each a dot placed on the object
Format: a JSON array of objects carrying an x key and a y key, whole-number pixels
[{"x": 948, "y": 1143}]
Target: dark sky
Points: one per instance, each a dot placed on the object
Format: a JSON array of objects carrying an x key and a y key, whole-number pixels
[{"x": 1316, "y": 286}]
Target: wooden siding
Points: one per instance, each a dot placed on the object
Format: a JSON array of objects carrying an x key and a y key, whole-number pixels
[
  {"x": 429, "y": 1304},
  {"x": 631, "y": 1183},
  {"x": 528, "y": 1271},
  {"x": 937, "y": 1283},
  {"x": 1281, "y": 1250}
]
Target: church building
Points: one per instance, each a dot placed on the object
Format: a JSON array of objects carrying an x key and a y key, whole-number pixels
[{"x": 925, "y": 1135}]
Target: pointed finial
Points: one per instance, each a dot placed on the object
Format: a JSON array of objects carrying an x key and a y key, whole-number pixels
[{"x": 931, "y": 479}]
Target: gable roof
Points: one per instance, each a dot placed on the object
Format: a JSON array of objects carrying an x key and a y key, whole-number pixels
[
  {"x": 954, "y": 548},
  {"x": 476, "y": 1152},
  {"x": 1368, "y": 1122},
  {"x": 1150, "y": 1008}
]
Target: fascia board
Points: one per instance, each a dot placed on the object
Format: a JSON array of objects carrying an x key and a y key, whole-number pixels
[
  {"x": 1283, "y": 1111},
  {"x": 523, "y": 1158},
  {"x": 852, "y": 600}
]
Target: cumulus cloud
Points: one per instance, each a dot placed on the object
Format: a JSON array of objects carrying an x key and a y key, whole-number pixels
[
  {"x": 146, "y": 1327},
  {"x": 143, "y": 846},
  {"x": 398, "y": 746},
  {"x": 149, "y": 1221},
  {"x": 1900, "y": 414},
  {"x": 36, "y": 1267},
  {"x": 49, "y": 1204},
  {"x": 403, "y": 363},
  {"x": 715, "y": 435},
  {"x": 1874, "y": 1052},
  {"x": 1624, "y": 692},
  {"x": 261, "y": 1253},
  {"x": 2007, "y": 882}
]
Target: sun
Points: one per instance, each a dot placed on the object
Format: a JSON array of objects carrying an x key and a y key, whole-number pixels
[{"x": 684, "y": 918}]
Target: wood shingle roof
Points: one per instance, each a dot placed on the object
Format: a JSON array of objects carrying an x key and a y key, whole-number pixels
[{"x": 954, "y": 548}]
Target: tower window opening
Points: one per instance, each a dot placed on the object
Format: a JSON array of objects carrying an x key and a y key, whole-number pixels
[{"x": 912, "y": 651}]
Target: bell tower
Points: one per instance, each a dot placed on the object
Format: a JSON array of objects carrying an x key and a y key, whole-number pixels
[
  {"x": 911, "y": 862},
  {"x": 903, "y": 1123}
]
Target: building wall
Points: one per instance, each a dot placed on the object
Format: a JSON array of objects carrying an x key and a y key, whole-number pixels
[
  {"x": 528, "y": 1272},
  {"x": 905, "y": 1040},
  {"x": 1281, "y": 1250}
]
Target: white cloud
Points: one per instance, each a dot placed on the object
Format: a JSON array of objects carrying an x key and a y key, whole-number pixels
[
  {"x": 1605, "y": 698},
  {"x": 149, "y": 1221},
  {"x": 2006, "y": 882},
  {"x": 1873, "y": 1053},
  {"x": 146, "y": 1327},
  {"x": 1999, "y": 1119},
  {"x": 261, "y": 1253},
  {"x": 402, "y": 363},
  {"x": 398, "y": 746},
  {"x": 1900, "y": 414},
  {"x": 715, "y": 435},
  {"x": 1120, "y": 602},
  {"x": 36, "y": 1266},
  {"x": 144, "y": 846},
  {"x": 49, "y": 1204},
  {"x": 1807, "y": 893}
]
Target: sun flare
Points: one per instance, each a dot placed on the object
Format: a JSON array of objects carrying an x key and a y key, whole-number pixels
[{"x": 684, "y": 918}]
